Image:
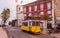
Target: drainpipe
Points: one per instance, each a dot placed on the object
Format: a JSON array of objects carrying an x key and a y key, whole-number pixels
[{"x": 53, "y": 14}]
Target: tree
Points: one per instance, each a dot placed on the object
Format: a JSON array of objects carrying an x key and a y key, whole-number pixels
[
  {"x": 47, "y": 18},
  {"x": 5, "y": 15}
]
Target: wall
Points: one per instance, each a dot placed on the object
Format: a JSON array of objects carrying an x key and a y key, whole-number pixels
[{"x": 57, "y": 7}]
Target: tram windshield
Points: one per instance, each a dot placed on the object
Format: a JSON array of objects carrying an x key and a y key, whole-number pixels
[{"x": 25, "y": 23}]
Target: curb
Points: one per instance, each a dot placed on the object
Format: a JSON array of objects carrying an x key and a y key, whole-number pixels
[
  {"x": 49, "y": 35},
  {"x": 8, "y": 34}
]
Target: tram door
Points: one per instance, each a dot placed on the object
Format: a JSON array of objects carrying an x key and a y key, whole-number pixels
[{"x": 41, "y": 25}]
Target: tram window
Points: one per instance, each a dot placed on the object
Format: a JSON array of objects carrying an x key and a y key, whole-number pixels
[
  {"x": 25, "y": 23},
  {"x": 37, "y": 23},
  {"x": 33, "y": 23},
  {"x": 29, "y": 23}
]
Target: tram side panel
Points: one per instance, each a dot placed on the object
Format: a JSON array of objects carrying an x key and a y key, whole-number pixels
[
  {"x": 35, "y": 29},
  {"x": 25, "y": 28}
]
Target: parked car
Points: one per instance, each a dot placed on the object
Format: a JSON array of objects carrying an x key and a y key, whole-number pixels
[{"x": 54, "y": 30}]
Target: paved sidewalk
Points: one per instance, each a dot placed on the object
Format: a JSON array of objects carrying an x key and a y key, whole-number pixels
[
  {"x": 3, "y": 33},
  {"x": 57, "y": 35}
]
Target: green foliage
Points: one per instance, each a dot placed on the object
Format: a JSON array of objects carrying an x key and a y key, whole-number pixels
[
  {"x": 48, "y": 18},
  {"x": 5, "y": 14}
]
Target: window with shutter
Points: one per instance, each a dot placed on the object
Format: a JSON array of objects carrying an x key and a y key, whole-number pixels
[
  {"x": 35, "y": 8},
  {"x": 49, "y": 12},
  {"x": 41, "y": 13},
  {"x": 41, "y": 7},
  {"x": 24, "y": 10},
  {"x": 29, "y": 8},
  {"x": 49, "y": 5}
]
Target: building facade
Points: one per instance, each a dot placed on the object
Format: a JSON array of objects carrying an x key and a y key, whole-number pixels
[
  {"x": 57, "y": 12},
  {"x": 39, "y": 9},
  {"x": 19, "y": 13}
]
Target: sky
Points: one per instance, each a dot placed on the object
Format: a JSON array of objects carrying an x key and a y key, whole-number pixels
[
  {"x": 25, "y": 1},
  {"x": 11, "y": 4}
]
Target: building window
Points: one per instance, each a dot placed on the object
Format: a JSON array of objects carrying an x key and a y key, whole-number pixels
[
  {"x": 30, "y": 14},
  {"x": 41, "y": 7},
  {"x": 29, "y": 8},
  {"x": 41, "y": 13},
  {"x": 24, "y": 10},
  {"x": 49, "y": 12},
  {"x": 24, "y": 14},
  {"x": 19, "y": 8},
  {"x": 35, "y": 8},
  {"x": 49, "y": 5},
  {"x": 49, "y": 25},
  {"x": 58, "y": 26}
]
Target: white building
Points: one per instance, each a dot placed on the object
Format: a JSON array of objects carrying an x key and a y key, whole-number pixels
[{"x": 19, "y": 8}]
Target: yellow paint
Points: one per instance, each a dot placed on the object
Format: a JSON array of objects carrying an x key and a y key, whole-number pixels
[
  {"x": 31, "y": 28},
  {"x": 35, "y": 29},
  {"x": 25, "y": 28}
]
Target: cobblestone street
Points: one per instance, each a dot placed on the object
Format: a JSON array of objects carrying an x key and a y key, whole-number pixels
[{"x": 17, "y": 33}]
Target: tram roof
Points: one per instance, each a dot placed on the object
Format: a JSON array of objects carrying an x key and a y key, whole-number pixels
[{"x": 30, "y": 20}]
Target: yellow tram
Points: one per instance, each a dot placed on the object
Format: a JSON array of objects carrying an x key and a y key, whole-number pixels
[{"x": 31, "y": 26}]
